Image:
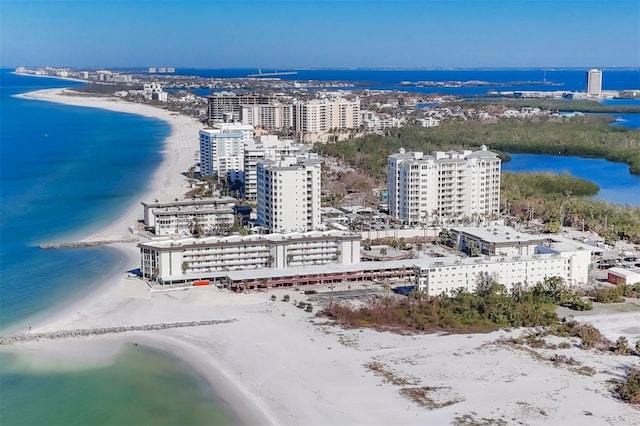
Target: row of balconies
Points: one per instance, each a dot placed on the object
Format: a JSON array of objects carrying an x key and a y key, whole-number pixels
[
  {"x": 216, "y": 251},
  {"x": 320, "y": 252},
  {"x": 226, "y": 254},
  {"x": 227, "y": 264}
]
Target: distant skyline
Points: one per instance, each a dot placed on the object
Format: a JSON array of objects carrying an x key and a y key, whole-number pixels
[{"x": 321, "y": 34}]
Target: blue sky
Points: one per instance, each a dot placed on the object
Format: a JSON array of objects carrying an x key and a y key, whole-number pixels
[{"x": 329, "y": 33}]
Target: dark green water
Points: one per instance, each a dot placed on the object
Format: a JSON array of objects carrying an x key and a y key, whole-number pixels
[{"x": 142, "y": 387}]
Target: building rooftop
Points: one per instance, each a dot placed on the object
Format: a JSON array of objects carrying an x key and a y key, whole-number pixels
[
  {"x": 622, "y": 272},
  {"x": 217, "y": 133},
  {"x": 499, "y": 234},
  {"x": 189, "y": 242},
  {"x": 184, "y": 203},
  {"x": 451, "y": 156},
  {"x": 327, "y": 269}
]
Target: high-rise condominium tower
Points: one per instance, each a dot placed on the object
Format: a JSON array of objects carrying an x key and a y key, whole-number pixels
[
  {"x": 445, "y": 187},
  {"x": 594, "y": 82}
]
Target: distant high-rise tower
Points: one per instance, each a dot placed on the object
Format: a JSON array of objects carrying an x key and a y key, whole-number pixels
[{"x": 594, "y": 83}]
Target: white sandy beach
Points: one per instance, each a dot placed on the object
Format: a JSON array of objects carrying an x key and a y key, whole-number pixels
[{"x": 276, "y": 364}]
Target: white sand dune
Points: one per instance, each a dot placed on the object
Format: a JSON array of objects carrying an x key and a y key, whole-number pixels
[{"x": 276, "y": 364}]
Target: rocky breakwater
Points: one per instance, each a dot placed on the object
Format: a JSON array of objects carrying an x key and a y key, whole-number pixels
[
  {"x": 88, "y": 332},
  {"x": 81, "y": 244}
]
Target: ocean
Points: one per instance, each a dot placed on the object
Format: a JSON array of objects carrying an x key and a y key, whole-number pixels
[
  {"x": 66, "y": 171},
  {"x": 504, "y": 79},
  {"x": 142, "y": 387}
]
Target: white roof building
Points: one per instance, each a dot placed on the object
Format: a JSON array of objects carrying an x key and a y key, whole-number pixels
[
  {"x": 436, "y": 276},
  {"x": 495, "y": 240},
  {"x": 181, "y": 217},
  {"x": 622, "y": 276},
  {"x": 205, "y": 258}
]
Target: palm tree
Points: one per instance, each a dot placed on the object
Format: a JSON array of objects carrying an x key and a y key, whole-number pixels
[{"x": 387, "y": 290}]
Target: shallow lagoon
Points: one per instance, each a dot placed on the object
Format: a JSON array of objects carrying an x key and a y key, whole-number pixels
[{"x": 616, "y": 184}]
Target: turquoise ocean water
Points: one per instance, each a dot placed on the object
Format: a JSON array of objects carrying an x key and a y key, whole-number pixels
[
  {"x": 142, "y": 387},
  {"x": 65, "y": 171}
]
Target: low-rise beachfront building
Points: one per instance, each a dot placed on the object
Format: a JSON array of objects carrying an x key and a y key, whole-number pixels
[
  {"x": 495, "y": 240},
  {"x": 446, "y": 275},
  {"x": 180, "y": 218},
  {"x": 173, "y": 261},
  {"x": 579, "y": 257}
]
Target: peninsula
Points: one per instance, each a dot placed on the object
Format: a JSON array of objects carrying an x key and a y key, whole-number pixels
[{"x": 274, "y": 363}]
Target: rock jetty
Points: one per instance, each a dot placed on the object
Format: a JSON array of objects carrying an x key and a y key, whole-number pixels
[
  {"x": 87, "y": 332},
  {"x": 80, "y": 244}
]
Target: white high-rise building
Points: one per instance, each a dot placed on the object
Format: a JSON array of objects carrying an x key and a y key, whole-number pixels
[
  {"x": 320, "y": 115},
  {"x": 269, "y": 147},
  {"x": 289, "y": 194},
  {"x": 594, "y": 82},
  {"x": 445, "y": 187},
  {"x": 253, "y": 154},
  {"x": 222, "y": 148}
]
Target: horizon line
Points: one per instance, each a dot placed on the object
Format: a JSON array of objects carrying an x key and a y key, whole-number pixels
[{"x": 344, "y": 68}]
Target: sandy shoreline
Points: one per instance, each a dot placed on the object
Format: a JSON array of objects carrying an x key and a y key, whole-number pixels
[
  {"x": 276, "y": 364},
  {"x": 178, "y": 152}
]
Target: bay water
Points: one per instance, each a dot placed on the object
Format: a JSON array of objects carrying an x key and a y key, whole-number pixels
[
  {"x": 616, "y": 184},
  {"x": 65, "y": 171}
]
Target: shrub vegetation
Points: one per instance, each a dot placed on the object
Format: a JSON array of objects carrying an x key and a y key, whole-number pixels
[{"x": 489, "y": 308}]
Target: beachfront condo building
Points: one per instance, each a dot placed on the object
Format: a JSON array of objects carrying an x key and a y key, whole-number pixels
[
  {"x": 273, "y": 116},
  {"x": 288, "y": 198},
  {"x": 445, "y": 187},
  {"x": 222, "y": 148},
  {"x": 594, "y": 82},
  {"x": 191, "y": 259},
  {"x": 227, "y": 106},
  {"x": 153, "y": 91},
  {"x": 319, "y": 116},
  {"x": 184, "y": 218},
  {"x": 268, "y": 147}
]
